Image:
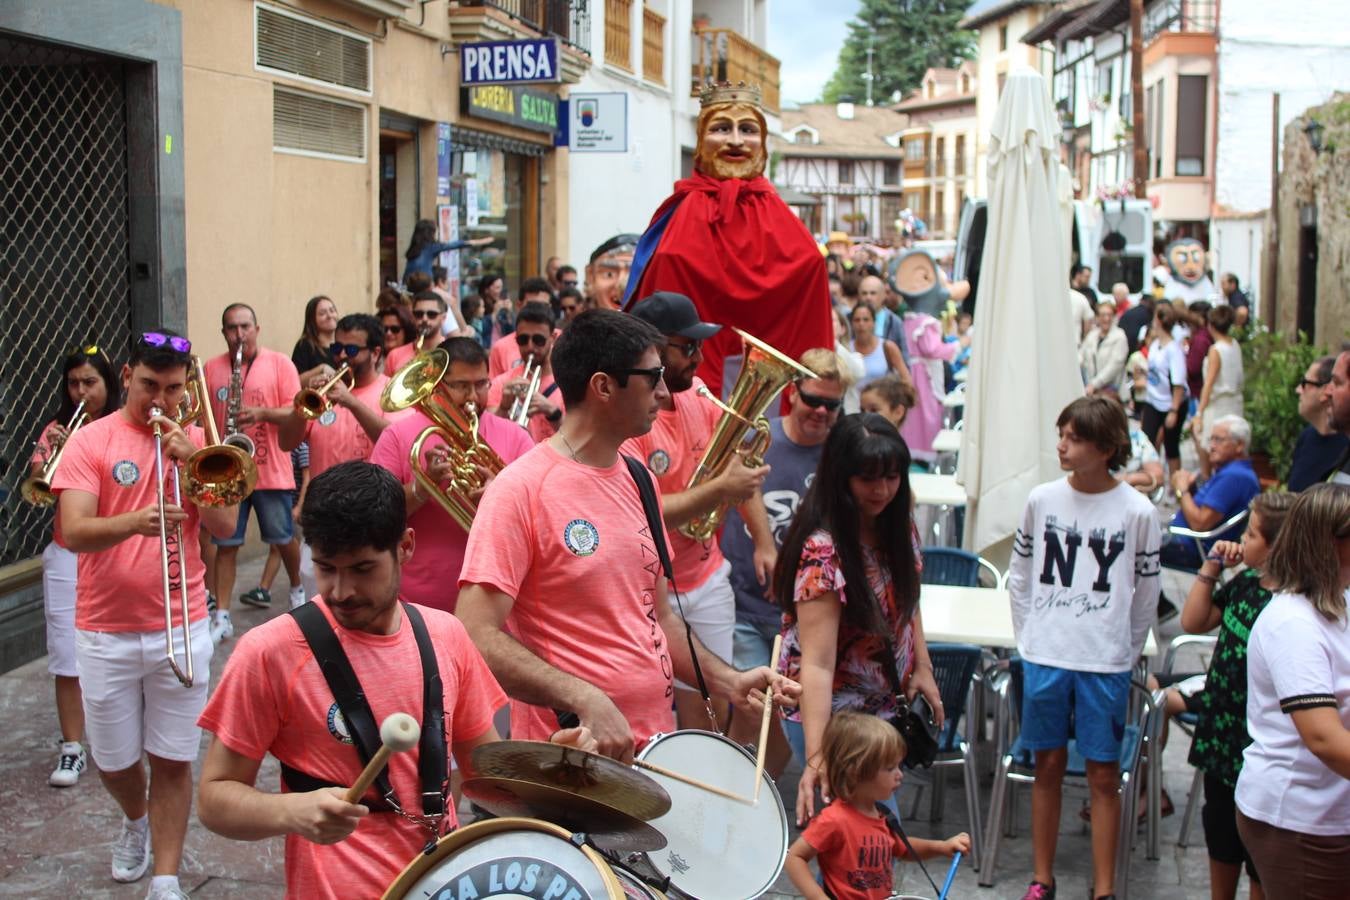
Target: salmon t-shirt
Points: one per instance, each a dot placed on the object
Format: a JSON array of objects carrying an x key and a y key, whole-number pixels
[
  {"x": 399, "y": 357},
  {"x": 570, "y": 543},
  {"x": 538, "y": 425},
  {"x": 121, "y": 589},
  {"x": 672, "y": 450},
  {"x": 431, "y": 577},
  {"x": 269, "y": 380},
  {"x": 337, "y": 437},
  {"x": 41, "y": 453},
  {"x": 504, "y": 355},
  {"x": 272, "y": 698}
]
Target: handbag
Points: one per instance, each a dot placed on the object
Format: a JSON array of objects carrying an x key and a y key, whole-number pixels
[{"x": 912, "y": 718}]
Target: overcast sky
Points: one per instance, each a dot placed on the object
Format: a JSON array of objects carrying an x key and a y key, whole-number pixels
[{"x": 806, "y": 36}]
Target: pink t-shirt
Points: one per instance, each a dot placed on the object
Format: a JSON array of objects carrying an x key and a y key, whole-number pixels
[
  {"x": 399, "y": 357},
  {"x": 672, "y": 450},
  {"x": 121, "y": 589},
  {"x": 503, "y": 355},
  {"x": 431, "y": 577},
  {"x": 538, "y": 425},
  {"x": 570, "y": 543},
  {"x": 272, "y": 698},
  {"x": 270, "y": 380},
  {"x": 336, "y": 437}
]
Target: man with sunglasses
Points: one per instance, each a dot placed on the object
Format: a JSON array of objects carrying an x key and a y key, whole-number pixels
[
  {"x": 570, "y": 304},
  {"x": 505, "y": 353},
  {"x": 798, "y": 438},
  {"x": 431, "y": 576},
  {"x": 134, "y": 704},
  {"x": 672, "y": 451},
  {"x": 561, "y": 590},
  {"x": 428, "y": 312},
  {"x": 534, "y": 338},
  {"x": 1320, "y": 446},
  {"x": 270, "y": 383}
]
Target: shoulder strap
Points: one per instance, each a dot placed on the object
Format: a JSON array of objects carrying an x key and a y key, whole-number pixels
[
  {"x": 431, "y": 750},
  {"x": 893, "y": 824}
]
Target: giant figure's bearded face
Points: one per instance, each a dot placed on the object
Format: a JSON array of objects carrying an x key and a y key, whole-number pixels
[{"x": 731, "y": 141}]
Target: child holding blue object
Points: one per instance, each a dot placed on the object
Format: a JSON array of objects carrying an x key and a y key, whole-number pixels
[{"x": 1084, "y": 583}]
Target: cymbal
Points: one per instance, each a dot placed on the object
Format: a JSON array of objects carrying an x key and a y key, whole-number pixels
[
  {"x": 607, "y": 827},
  {"x": 577, "y": 772}
]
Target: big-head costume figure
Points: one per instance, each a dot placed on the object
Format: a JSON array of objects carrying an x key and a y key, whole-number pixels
[
  {"x": 1189, "y": 283},
  {"x": 726, "y": 240}
]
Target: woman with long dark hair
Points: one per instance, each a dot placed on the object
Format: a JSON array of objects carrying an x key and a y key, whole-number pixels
[
  {"x": 86, "y": 375},
  {"x": 423, "y": 248},
  {"x": 310, "y": 354},
  {"x": 398, "y": 327},
  {"x": 848, "y": 581}
]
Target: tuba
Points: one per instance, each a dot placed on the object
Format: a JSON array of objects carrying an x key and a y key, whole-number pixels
[
  {"x": 418, "y": 384},
  {"x": 764, "y": 372},
  {"x": 219, "y": 474},
  {"x": 37, "y": 489}
]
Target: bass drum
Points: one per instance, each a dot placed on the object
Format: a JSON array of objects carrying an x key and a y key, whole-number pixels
[
  {"x": 512, "y": 857},
  {"x": 717, "y": 849},
  {"x": 634, "y": 888}
]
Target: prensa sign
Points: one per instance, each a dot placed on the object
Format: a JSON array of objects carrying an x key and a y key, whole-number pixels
[{"x": 529, "y": 61}]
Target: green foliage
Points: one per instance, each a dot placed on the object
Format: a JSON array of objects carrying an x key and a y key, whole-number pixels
[
  {"x": 1272, "y": 364},
  {"x": 908, "y": 37}
]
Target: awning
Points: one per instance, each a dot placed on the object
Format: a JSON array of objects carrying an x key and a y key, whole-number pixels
[{"x": 794, "y": 197}]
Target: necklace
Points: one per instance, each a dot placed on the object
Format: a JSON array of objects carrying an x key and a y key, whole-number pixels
[{"x": 568, "y": 445}]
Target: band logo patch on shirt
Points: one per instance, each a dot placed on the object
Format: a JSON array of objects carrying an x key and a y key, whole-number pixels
[
  {"x": 126, "y": 473},
  {"x": 222, "y": 392},
  {"x": 328, "y": 417},
  {"x": 581, "y": 537},
  {"x": 337, "y": 725},
  {"x": 659, "y": 462}
]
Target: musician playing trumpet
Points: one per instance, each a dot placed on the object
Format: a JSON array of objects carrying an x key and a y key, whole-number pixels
[
  {"x": 109, "y": 509},
  {"x": 251, "y": 390},
  {"x": 527, "y": 392}
]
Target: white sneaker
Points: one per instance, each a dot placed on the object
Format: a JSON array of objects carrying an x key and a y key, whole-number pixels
[
  {"x": 221, "y": 626},
  {"x": 131, "y": 853},
  {"x": 298, "y": 597},
  {"x": 70, "y": 766},
  {"x": 167, "y": 892}
]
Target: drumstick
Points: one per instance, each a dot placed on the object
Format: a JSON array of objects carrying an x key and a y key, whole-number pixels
[
  {"x": 764, "y": 722},
  {"x": 399, "y": 733},
  {"x": 692, "y": 782}
]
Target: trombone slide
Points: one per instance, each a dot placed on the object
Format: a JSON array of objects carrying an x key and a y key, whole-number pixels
[{"x": 168, "y": 547}]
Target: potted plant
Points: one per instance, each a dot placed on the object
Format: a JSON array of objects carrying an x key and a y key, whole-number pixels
[{"x": 1272, "y": 364}]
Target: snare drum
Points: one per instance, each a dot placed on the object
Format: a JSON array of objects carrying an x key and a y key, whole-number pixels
[
  {"x": 717, "y": 849},
  {"x": 512, "y": 857}
]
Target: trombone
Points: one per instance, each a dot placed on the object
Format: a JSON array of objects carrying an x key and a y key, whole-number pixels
[
  {"x": 167, "y": 549},
  {"x": 311, "y": 403},
  {"x": 37, "y": 489},
  {"x": 520, "y": 408}
]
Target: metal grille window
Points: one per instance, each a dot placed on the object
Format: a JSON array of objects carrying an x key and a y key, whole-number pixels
[
  {"x": 317, "y": 126},
  {"x": 64, "y": 247},
  {"x": 294, "y": 45}
]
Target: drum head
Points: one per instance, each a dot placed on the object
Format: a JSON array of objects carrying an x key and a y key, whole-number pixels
[
  {"x": 717, "y": 849},
  {"x": 508, "y": 858},
  {"x": 635, "y": 888}
]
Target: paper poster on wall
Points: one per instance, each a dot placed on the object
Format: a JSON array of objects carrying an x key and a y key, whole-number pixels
[
  {"x": 447, "y": 228},
  {"x": 598, "y": 123},
  {"x": 470, "y": 164},
  {"x": 442, "y": 162},
  {"x": 471, "y": 202},
  {"x": 496, "y": 186}
]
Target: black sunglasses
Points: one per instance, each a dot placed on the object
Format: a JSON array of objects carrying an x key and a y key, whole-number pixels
[
  {"x": 425, "y": 313},
  {"x": 1306, "y": 383},
  {"x": 688, "y": 349},
  {"x": 815, "y": 401},
  {"x": 337, "y": 350},
  {"x": 393, "y": 329},
  {"x": 156, "y": 339},
  {"x": 655, "y": 374},
  {"x": 539, "y": 340},
  {"x": 572, "y": 283}
]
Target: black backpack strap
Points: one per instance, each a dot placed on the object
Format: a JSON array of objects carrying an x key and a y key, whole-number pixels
[{"x": 431, "y": 751}]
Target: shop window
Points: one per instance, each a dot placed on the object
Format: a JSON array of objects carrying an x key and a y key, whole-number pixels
[{"x": 488, "y": 193}]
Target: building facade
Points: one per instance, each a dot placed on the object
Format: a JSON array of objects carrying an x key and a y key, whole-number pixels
[{"x": 940, "y": 145}]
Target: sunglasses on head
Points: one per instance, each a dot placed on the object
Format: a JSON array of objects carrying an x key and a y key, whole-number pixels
[
  {"x": 337, "y": 350},
  {"x": 538, "y": 340},
  {"x": 86, "y": 350},
  {"x": 655, "y": 374},
  {"x": 174, "y": 342},
  {"x": 815, "y": 401},
  {"x": 425, "y": 313}
]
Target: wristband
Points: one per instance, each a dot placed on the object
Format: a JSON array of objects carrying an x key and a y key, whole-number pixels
[
  {"x": 1215, "y": 556},
  {"x": 1206, "y": 579}
]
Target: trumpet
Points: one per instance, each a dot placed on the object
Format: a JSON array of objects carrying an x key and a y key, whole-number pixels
[
  {"x": 37, "y": 489},
  {"x": 221, "y": 473},
  {"x": 520, "y": 408},
  {"x": 311, "y": 403},
  {"x": 167, "y": 549},
  {"x": 764, "y": 372},
  {"x": 422, "y": 332},
  {"x": 418, "y": 384}
]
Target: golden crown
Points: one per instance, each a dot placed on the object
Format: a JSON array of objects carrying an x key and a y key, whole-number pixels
[{"x": 726, "y": 92}]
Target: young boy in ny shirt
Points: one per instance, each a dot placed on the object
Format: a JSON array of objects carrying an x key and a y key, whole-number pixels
[{"x": 1084, "y": 585}]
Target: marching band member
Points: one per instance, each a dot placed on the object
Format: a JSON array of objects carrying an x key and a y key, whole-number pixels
[
  {"x": 431, "y": 576},
  {"x": 353, "y": 420},
  {"x": 561, "y": 555},
  {"x": 505, "y": 352},
  {"x": 672, "y": 450},
  {"x": 274, "y": 698},
  {"x": 87, "y": 384},
  {"x": 428, "y": 311},
  {"x": 133, "y": 703},
  {"x": 255, "y": 398},
  {"x": 534, "y": 335}
]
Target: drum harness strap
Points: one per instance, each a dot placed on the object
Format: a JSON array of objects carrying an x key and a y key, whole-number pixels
[
  {"x": 365, "y": 733},
  {"x": 893, "y": 823}
]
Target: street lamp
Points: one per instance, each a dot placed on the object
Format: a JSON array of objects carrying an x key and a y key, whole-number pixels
[{"x": 1314, "y": 130}]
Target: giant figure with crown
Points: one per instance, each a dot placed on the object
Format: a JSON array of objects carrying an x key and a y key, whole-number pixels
[{"x": 727, "y": 240}]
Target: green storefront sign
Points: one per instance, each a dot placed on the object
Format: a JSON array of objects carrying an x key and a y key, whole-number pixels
[{"x": 513, "y": 105}]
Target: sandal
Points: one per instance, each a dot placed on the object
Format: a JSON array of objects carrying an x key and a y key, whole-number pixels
[{"x": 257, "y": 597}]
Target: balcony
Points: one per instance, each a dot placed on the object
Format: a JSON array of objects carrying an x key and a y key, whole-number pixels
[
  {"x": 653, "y": 46},
  {"x": 721, "y": 54},
  {"x": 1179, "y": 17},
  {"x": 569, "y": 20}
]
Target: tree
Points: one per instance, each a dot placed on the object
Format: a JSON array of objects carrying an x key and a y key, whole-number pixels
[{"x": 907, "y": 38}]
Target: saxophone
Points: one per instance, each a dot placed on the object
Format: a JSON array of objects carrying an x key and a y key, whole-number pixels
[{"x": 234, "y": 401}]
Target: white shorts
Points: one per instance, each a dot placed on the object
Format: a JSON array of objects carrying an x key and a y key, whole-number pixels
[
  {"x": 133, "y": 702},
  {"x": 58, "y": 603},
  {"x": 710, "y": 609}
]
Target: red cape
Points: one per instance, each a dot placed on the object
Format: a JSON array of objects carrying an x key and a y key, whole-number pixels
[{"x": 744, "y": 258}]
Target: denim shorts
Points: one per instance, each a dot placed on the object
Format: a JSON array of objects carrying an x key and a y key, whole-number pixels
[
  {"x": 752, "y": 643},
  {"x": 1091, "y": 705},
  {"x": 274, "y": 518}
]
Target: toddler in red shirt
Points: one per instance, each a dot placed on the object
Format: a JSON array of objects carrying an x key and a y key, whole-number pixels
[{"x": 850, "y": 839}]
